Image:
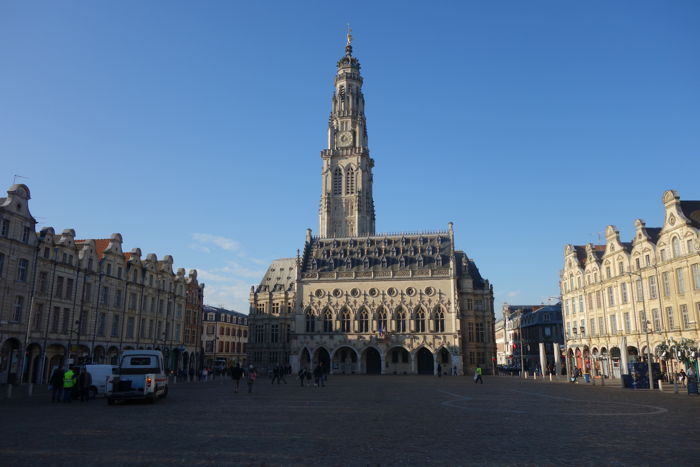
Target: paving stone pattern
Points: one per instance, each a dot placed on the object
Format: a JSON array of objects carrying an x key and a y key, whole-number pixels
[{"x": 360, "y": 420}]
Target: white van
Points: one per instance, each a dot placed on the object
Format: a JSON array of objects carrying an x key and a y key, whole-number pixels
[
  {"x": 141, "y": 375},
  {"x": 100, "y": 374}
]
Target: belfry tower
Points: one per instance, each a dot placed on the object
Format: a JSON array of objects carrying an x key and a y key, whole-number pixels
[{"x": 347, "y": 206}]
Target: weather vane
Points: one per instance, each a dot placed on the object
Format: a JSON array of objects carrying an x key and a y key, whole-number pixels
[{"x": 349, "y": 35}]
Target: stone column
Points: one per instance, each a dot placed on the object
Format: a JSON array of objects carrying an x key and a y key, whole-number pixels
[
  {"x": 557, "y": 359},
  {"x": 623, "y": 356},
  {"x": 543, "y": 359}
]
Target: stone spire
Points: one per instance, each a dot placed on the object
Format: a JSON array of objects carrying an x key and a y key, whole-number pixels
[{"x": 347, "y": 205}]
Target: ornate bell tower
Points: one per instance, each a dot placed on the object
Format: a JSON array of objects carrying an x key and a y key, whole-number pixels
[{"x": 347, "y": 206}]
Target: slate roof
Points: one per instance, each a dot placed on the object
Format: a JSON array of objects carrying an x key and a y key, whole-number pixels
[
  {"x": 280, "y": 276},
  {"x": 377, "y": 253},
  {"x": 691, "y": 210}
]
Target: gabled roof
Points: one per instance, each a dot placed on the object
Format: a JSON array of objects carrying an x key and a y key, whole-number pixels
[
  {"x": 101, "y": 245},
  {"x": 653, "y": 233}
]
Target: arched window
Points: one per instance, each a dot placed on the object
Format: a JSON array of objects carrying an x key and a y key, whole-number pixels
[
  {"x": 348, "y": 263},
  {"x": 676, "y": 245},
  {"x": 439, "y": 321},
  {"x": 438, "y": 260},
  {"x": 402, "y": 262},
  {"x": 365, "y": 263},
  {"x": 345, "y": 321},
  {"x": 314, "y": 264},
  {"x": 381, "y": 321},
  {"x": 419, "y": 261},
  {"x": 327, "y": 321},
  {"x": 420, "y": 321},
  {"x": 384, "y": 262},
  {"x": 310, "y": 322},
  {"x": 401, "y": 321},
  {"x": 349, "y": 181},
  {"x": 338, "y": 181},
  {"x": 364, "y": 321}
]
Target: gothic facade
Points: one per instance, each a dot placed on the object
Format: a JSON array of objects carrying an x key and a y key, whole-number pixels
[{"x": 362, "y": 302}]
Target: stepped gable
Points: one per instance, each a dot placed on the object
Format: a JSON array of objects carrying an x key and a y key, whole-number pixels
[
  {"x": 403, "y": 251},
  {"x": 280, "y": 276}
]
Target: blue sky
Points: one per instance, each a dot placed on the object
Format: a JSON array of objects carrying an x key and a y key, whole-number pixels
[{"x": 194, "y": 128}]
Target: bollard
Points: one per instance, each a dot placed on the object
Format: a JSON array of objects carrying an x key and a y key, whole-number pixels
[
  {"x": 550, "y": 377},
  {"x": 30, "y": 389},
  {"x": 661, "y": 386},
  {"x": 9, "y": 391},
  {"x": 675, "y": 386}
]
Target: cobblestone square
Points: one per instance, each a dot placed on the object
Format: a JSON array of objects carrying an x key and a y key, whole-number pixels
[{"x": 360, "y": 420}]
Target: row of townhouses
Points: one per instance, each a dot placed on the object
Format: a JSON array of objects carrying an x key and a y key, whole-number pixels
[
  {"x": 68, "y": 300},
  {"x": 627, "y": 302}
]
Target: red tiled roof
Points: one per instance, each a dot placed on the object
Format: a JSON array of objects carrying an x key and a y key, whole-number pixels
[{"x": 101, "y": 245}]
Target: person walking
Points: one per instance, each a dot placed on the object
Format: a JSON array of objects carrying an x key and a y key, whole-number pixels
[
  {"x": 56, "y": 382},
  {"x": 281, "y": 372},
  {"x": 275, "y": 374},
  {"x": 236, "y": 375},
  {"x": 84, "y": 384},
  {"x": 68, "y": 383},
  {"x": 318, "y": 376},
  {"x": 302, "y": 375},
  {"x": 477, "y": 375},
  {"x": 439, "y": 371},
  {"x": 251, "y": 377}
]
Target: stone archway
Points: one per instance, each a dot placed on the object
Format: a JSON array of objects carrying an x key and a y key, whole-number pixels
[
  {"x": 9, "y": 361},
  {"x": 444, "y": 358},
  {"x": 398, "y": 361},
  {"x": 98, "y": 355},
  {"x": 344, "y": 361},
  {"x": 322, "y": 357},
  {"x": 32, "y": 366},
  {"x": 425, "y": 363},
  {"x": 372, "y": 361}
]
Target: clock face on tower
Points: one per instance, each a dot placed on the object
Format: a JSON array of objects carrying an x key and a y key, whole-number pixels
[{"x": 344, "y": 139}]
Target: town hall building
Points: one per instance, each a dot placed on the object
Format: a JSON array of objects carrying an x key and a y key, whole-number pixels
[{"x": 365, "y": 302}]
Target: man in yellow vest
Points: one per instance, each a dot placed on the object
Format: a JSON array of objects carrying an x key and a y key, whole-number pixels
[{"x": 68, "y": 383}]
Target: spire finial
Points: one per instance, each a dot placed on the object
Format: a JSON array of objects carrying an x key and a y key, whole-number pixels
[{"x": 348, "y": 44}]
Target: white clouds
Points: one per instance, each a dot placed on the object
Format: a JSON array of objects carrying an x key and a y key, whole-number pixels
[
  {"x": 229, "y": 271},
  {"x": 224, "y": 243},
  {"x": 198, "y": 247}
]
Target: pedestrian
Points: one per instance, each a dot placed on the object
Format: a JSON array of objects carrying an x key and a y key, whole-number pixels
[
  {"x": 282, "y": 371},
  {"x": 205, "y": 374},
  {"x": 477, "y": 375},
  {"x": 275, "y": 374},
  {"x": 56, "y": 382},
  {"x": 68, "y": 384},
  {"x": 236, "y": 375},
  {"x": 308, "y": 375},
  {"x": 318, "y": 375},
  {"x": 251, "y": 377},
  {"x": 454, "y": 371},
  {"x": 439, "y": 371},
  {"x": 302, "y": 375},
  {"x": 682, "y": 376},
  {"x": 84, "y": 384}
]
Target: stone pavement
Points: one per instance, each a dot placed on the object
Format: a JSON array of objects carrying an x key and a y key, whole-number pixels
[{"x": 361, "y": 420}]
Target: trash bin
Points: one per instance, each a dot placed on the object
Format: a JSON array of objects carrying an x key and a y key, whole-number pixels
[
  {"x": 587, "y": 377},
  {"x": 692, "y": 386}
]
